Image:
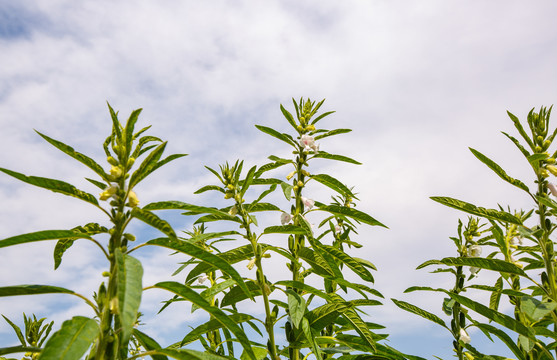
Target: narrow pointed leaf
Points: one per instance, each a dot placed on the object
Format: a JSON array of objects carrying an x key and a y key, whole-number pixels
[
  {"x": 284, "y": 137},
  {"x": 236, "y": 294},
  {"x": 493, "y": 315},
  {"x": 478, "y": 211},
  {"x": 147, "y": 165},
  {"x": 32, "y": 290},
  {"x": 151, "y": 219},
  {"x": 325, "y": 155},
  {"x": 346, "y": 259},
  {"x": 360, "y": 326},
  {"x": 148, "y": 343},
  {"x": 518, "y": 145},
  {"x": 332, "y": 183},
  {"x": 482, "y": 263},
  {"x": 213, "y": 325},
  {"x": 128, "y": 130},
  {"x": 17, "y": 331},
  {"x": 520, "y": 129},
  {"x": 285, "y": 229},
  {"x": 351, "y": 213},
  {"x": 72, "y": 340},
  {"x": 42, "y": 235},
  {"x": 418, "y": 311},
  {"x": 499, "y": 171},
  {"x": 116, "y": 127},
  {"x": 129, "y": 274},
  {"x": 53, "y": 185},
  {"x": 185, "y": 354},
  {"x": 209, "y": 187},
  {"x": 202, "y": 254},
  {"x": 331, "y": 133},
  {"x": 87, "y": 161},
  {"x": 288, "y": 116},
  {"x": 214, "y": 311},
  {"x": 504, "y": 337},
  {"x": 61, "y": 246}
]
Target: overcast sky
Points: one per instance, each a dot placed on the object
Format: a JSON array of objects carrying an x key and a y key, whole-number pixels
[{"x": 419, "y": 82}]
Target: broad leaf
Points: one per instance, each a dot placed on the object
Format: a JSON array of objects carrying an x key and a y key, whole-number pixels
[
  {"x": 478, "y": 211},
  {"x": 214, "y": 311},
  {"x": 535, "y": 309},
  {"x": 296, "y": 307},
  {"x": 53, "y": 185},
  {"x": 129, "y": 274},
  {"x": 72, "y": 340}
]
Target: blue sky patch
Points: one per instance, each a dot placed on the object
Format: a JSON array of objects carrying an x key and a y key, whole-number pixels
[{"x": 18, "y": 22}]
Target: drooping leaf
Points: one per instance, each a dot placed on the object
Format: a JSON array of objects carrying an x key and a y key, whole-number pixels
[
  {"x": 148, "y": 343},
  {"x": 360, "y": 326},
  {"x": 325, "y": 155},
  {"x": 202, "y": 254},
  {"x": 151, "y": 219},
  {"x": 310, "y": 337},
  {"x": 213, "y": 325},
  {"x": 72, "y": 340},
  {"x": 129, "y": 274},
  {"x": 215, "y": 312},
  {"x": 281, "y": 136},
  {"x": 493, "y": 315},
  {"x": 349, "y": 212},
  {"x": 208, "y": 188},
  {"x": 504, "y": 337},
  {"x": 418, "y": 311},
  {"x": 84, "y": 159},
  {"x": 42, "y": 235},
  {"x": 478, "y": 211},
  {"x": 61, "y": 246},
  {"x": 53, "y": 185},
  {"x": 32, "y": 290},
  {"x": 296, "y": 307},
  {"x": 499, "y": 171},
  {"x": 332, "y": 183}
]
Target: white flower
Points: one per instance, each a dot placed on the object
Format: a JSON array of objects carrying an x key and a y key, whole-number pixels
[
  {"x": 308, "y": 142},
  {"x": 552, "y": 188},
  {"x": 464, "y": 337},
  {"x": 233, "y": 211},
  {"x": 474, "y": 250},
  {"x": 202, "y": 279},
  {"x": 285, "y": 218},
  {"x": 337, "y": 229},
  {"x": 308, "y": 203}
]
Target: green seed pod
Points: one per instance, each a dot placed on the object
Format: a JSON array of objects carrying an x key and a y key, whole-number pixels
[{"x": 462, "y": 320}]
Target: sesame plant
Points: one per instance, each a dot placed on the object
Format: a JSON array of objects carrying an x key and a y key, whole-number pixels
[
  {"x": 111, "y": 333},
  {"x": 317, "y": 310},
  {"x": 521, "y": 258}
]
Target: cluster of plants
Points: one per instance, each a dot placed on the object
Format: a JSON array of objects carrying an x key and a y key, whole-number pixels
[{"x": 268, "y": 215}]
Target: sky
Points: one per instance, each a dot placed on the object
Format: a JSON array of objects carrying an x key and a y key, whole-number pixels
[{"x": 418, "y": 82}]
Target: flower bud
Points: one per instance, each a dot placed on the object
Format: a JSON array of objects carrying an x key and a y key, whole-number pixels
[
  {"x": 552, "y": 169},
  {"x": 228, "y": 195},
  {"x": 109, "y": 193},
  {"x": 112, "y": 161},
  {"x": 310, "y": 128},
  {"x": 133, "y": 201},
  {"x": 114, "y": 305},
  {"x": 289, "y": 176},
  {"x": 105, "y": 274},
  {"x": 116, "y": 172},
  {"x": 552, "y": 188},
  {"x": 129, "y": 237},
  {"x": 131, "y": 161},
  {"x": 251, "y": 264},
  {"x": 300, "y": 183}
]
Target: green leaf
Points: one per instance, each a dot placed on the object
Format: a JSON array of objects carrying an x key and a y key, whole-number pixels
[
  {"x": 148, "y": 343},
  {"x": 493, "y": 315},
  {"x": 421, "y": 312},
  {"x": 128, "y": 130},
  {"x": 325, "y": 315},
  {"x": 129, "y": 274},
  {"x": 322, "y": 115},
  {"x": 296, "y": 307},
  {"x": 151, "y": 219},
  {"x": 87, "y": 161},
  {"x": 212, "y": 325},
  {"x": 260, "y": 353},
  {"x": 42, "y": 235},
  {"x": 147, "y": 165},
  {"x": 495, "y": 296},
  {"x": 504, "y": 337},
  {"x": 360, "y": 326},
  {"x": 325, "y": 155},
  {"x": 185, "y": 354},
  {"x": 247, "y": 182},
  {"x": 281, "y": 136},
  {"x": 352, "y": 263},
  {"x": 116, "y": 127},
  {"x": 236, "y": 294},
  {"x": 535, "y": 309},
  {"x": 520, "y": 129},
  {"x": 261, "y": 207},
  {"x": 526, "y": 343},
  {"x": 332, "y": 183},
  {"x": 202, "y": 254},
  {"x": 214, "y": 311},
  {"x": 53, "y": 185},
  {"x": 209, "y": 187},
  {"x": 61, "y": 246},
  {"x": 311, "y": 339},
  {"x": 518, "y": 145},
  {"x": 288, "y": 116},
  {"x": 32, "y": 290},
  {"x": 349, "y": 212},
  {"x": 285, "y": 229},
  {"x": 17, "y": 331},
  {"x": 17, "y": 349},
  {"x": 478, "y": 211},
  {"x": 499, "y": 171},
  {"x": 332, "y": 132},
  {"x": 72, "y": 340},
  {"x": 482, "y": 263},
  {"x": 287, "y": 190},
  {"x": 305, "y": 287}
]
